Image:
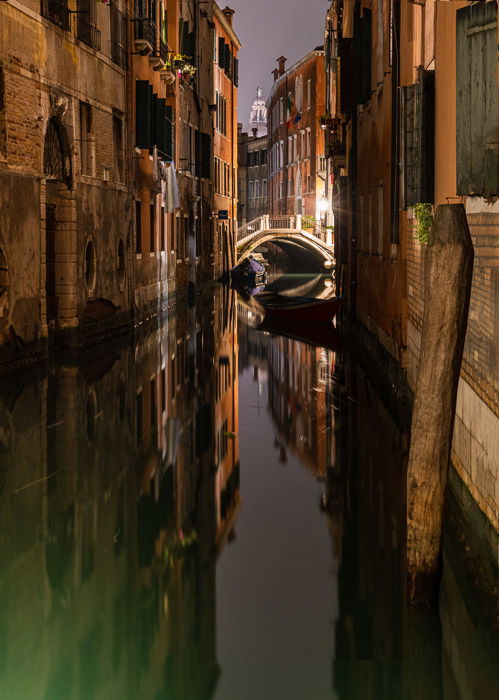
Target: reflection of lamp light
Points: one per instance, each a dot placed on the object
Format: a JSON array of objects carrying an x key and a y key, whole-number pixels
[
  {"x": 323, "y": 204},
  {"x": 328, "y": 282}
]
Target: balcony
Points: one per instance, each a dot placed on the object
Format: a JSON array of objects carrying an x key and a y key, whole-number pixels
[
  {"x": 57, "y": 12},
  {"x": 145, "y": 35},
  {"x": 118, "y": 54},
  {"x": 88, "y": 33}
]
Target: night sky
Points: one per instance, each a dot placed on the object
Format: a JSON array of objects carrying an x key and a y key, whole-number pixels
[{"x": 268, "y": 29}]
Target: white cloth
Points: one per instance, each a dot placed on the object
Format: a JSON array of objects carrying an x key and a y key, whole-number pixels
[
  {"x": 169, "y": 189},
  {"x": 156, "y": 172}
]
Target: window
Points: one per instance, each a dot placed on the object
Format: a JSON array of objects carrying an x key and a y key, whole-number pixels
[
  {"x": 118, "y": 27},
  {"x": 86, "y": 139},
  {"x": 221, "y": 114},
  {"x": 309, "y": 143},
  {"x": 281, "y": 110},
  {"x": 290, "y": 149},
  {"x": 250, "y": 189},
  {"x": 309, "y": 93},
  {"x": 257, "y": 188},
  {"x": 86, "y": 30},
  {"x": 118, "y": 147}
]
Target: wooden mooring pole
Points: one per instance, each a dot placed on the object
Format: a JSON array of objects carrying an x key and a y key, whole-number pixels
[{"x": 448, "y": 270}]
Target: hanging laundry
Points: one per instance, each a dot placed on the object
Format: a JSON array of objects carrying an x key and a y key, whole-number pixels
[
  {"x": 156, "y": 172},
  {"x": 171, "y": 199}
]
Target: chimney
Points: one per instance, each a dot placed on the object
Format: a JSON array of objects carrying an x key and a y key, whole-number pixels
[
  {"x": 275, "y": 73},
  {"x": 228, "y": 14},
  {"x": 255, "y": 131},
  {"x": 282, "y": 64}
]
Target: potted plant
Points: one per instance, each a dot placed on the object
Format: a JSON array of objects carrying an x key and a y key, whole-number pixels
[{"x": 308, "y": 222}]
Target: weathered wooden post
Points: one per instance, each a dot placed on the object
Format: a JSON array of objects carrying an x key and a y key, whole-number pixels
[{"x": 448, "y": 273}]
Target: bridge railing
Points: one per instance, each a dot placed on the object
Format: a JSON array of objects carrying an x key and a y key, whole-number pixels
[
  {"x": 290, "y": 222},
  {"x": 250, "y": 228}
]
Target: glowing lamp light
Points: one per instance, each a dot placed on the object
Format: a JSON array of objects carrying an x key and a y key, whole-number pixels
[{"x": 323, "y": 204}]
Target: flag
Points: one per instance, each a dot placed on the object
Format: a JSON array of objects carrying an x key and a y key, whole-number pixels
[{"x": 294, "y": 114}]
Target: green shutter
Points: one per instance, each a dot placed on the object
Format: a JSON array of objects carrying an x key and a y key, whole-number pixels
[{"x": 477, "y": 111}]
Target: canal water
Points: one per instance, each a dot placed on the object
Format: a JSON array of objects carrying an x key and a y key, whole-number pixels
[{"x": 216, "y": 511}]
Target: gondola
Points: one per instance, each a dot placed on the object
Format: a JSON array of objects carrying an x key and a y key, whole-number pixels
[{"x": 249, "y": 272}]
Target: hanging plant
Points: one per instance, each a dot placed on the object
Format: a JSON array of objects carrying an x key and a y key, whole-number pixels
[{"x": 424, "y": 222}]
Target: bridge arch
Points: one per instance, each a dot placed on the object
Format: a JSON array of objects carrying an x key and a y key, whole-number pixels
[{"x": 285, "y": 229}]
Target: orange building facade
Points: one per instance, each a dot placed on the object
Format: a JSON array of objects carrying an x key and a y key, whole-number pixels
[
  {"x": 225, "y": 82},
  {"x": 296, "y": 163}
]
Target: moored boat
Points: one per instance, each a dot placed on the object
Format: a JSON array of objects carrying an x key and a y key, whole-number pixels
[
  {"x": 250, "y": 271},
  {"x": 301, "y": 309}
]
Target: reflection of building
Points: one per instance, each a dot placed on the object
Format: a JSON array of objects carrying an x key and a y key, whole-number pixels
[
  {"x": 300, "y": 400},
  {"x": 296, "y": 140},
  {"x": 113, "y": 508}
]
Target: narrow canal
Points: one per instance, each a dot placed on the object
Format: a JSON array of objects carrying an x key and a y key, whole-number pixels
[{"x": 216, "y": 511}]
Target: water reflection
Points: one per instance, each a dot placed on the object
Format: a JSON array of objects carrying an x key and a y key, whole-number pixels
[{"x": 121, "y": 495}]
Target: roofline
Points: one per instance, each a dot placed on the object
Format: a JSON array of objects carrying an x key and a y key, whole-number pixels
[
  {"x": 225, "y": 25},
  {"x": 289, "y": 70}
]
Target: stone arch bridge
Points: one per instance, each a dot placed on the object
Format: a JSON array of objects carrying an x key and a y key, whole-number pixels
[{"x": 286, "y": 230}]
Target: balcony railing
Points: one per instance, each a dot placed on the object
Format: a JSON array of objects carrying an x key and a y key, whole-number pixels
[
  {"x": 145, "y": 32},
  {"x": 57, "y": 12},
  {"x": 118, "y": 54},
  {"x": 88, "y": 33}
]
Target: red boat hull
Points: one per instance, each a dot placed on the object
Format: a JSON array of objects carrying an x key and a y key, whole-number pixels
[{"x": 318, "y": 311}]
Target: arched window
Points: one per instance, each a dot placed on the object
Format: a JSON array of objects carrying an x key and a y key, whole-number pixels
[{"x": 56, "y": 153}]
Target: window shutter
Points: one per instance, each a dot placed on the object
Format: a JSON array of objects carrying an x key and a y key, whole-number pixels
[
  {"x": 418, "y": 139},
  {"x": 227, "y": 60},
  {"x": 236, "y": 72},
  {"x": 221, "y": 52},
  {"x": 143, "y": 118},
  {"x": 198, "y": 150},
  {"x": 191, "y": 48},
  {"x": 160, "y": 105},
  {"x": 477, "y": 111},
  {"x": 185, "y": 39},
  {"x": 153, "y": 132},
  {"x": 206, "y": 156},
  {"x": 169, "y": 145}
]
